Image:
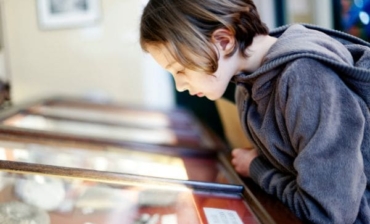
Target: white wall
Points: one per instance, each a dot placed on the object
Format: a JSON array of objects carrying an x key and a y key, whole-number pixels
[
  {"x": 266, "y": 9},
  {"x": 317, "y": 12},
  {"x": 323, "y": 13},
  {"x": 103, "y": 60},
  {"x": 309, "y": 11}
]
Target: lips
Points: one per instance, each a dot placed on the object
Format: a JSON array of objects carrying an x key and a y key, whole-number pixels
[{"x": 197, "y": 94}]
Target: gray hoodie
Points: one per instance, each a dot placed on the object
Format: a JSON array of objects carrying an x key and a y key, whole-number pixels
[{"x": 310, "y": 122}]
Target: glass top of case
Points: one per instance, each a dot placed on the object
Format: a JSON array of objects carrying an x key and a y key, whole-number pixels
[
  {"x": 139, "y": 118},
  {"x": 116, "y": 124},
  {"x": 110, "y": 112},
  {"x": 96, "y": 130}
]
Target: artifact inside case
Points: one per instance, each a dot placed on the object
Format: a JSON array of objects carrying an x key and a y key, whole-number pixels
[{"x": 38, "y": 198}]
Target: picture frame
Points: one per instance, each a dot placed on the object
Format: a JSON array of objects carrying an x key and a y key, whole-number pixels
[{"x": 59, "y": 14}]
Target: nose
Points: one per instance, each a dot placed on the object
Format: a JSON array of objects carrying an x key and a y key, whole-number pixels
[
  {"x": 180, "y": 84},
  {"x": 180, "y": 89}
]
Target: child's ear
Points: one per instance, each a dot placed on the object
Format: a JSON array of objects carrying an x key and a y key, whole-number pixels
[{"x": 224, "y": 40}]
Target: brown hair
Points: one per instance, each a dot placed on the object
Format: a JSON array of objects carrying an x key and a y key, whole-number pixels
[{"x": 185, "y": 27}]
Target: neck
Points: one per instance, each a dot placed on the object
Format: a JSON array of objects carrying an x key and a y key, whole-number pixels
[{"x": 257, "y": 52}]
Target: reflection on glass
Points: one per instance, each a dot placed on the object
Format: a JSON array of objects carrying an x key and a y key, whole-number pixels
[
  {"x": 93, "y": 202},
  {"x": 147, "y": 119},
  {"x": 154, "y": 136}
]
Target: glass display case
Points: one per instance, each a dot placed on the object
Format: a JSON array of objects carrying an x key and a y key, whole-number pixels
[
  {"x": 56, "y": 183},
  {"x": 27, "y": 197},
  {"x": 109, "y": 123}
]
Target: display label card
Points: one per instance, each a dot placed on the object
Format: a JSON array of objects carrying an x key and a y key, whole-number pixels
[{"x": 222, "y": 216}]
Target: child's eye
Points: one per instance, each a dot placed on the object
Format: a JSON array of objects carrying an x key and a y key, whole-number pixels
[{"x": 182, "y": 72}]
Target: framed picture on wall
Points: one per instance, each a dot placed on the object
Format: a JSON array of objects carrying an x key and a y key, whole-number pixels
[{"x": 58, "y": 14}]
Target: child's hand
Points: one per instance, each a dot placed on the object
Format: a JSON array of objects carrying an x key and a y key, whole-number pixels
[{"x": 242, "y": 158}]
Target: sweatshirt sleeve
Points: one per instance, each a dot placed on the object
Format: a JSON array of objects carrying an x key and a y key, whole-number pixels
[{"x": 325, "y": 126}]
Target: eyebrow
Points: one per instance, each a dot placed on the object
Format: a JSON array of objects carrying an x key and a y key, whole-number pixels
[{"x": 170, "y": 65}]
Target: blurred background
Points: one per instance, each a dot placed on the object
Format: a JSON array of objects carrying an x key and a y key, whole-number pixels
[{"x": 90, "y": 49}]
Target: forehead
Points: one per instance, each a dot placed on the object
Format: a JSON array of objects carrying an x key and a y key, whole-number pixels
[
  {"x": 164, "y": 57},
  {"x": 161, "y": 54}
]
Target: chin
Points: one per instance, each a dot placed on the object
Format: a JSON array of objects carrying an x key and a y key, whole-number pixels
[{"x": 213, "y": 98}]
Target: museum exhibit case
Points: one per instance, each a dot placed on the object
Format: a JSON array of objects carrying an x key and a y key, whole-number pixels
[
  {"x": 27, "y": 196},
  {"x": 66, "y": 160},
  {"x": 84, "y": 182}
]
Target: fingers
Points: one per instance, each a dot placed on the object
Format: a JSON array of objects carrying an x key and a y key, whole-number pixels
[
  {"x": 242, "y": 159},
  {"x": 238, "y": 151}
]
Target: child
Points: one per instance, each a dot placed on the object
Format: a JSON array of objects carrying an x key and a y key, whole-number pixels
[{"x": 295, "y": 94}]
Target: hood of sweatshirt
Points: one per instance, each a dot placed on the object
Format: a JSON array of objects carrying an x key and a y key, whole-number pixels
[{"x": 302, "y": 40}]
